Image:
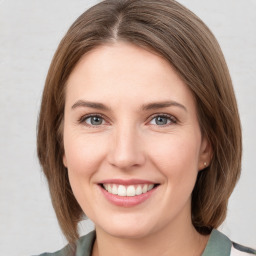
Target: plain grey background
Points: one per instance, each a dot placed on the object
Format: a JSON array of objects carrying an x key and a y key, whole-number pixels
[{"x": 30, "y": 31}]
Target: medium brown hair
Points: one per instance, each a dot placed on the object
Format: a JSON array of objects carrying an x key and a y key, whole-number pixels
[{"x": 179, "y": 36}]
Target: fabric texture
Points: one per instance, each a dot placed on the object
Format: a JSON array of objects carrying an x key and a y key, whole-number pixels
[
  {"x": 218, "y": 245},
  {"x": 83, "y": 247},
  {"x": 238, "y": 249}
]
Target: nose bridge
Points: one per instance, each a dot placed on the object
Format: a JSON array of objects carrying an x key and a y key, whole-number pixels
[{"x": 126, "y": 150}]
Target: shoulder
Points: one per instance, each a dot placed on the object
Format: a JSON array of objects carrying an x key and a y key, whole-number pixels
[
  {"x": 220, "y": 245},
  {"x": 83, "y": 247}
]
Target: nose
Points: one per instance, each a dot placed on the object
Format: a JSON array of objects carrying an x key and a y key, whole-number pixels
[{"x": 126, "y": 149}]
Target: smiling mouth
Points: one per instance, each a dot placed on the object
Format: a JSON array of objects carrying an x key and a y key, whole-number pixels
[{"x": 129, "y": 190}]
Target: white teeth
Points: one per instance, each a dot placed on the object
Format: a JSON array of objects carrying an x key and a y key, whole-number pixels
[
  {"x": 150, "y": 186},
  {"x": 145, "y": 189},
  {"x": 131, "y": 190},
  {"x": 121, "y": 190},
  {"x": 109, "y": 189},
  {"x": 138, "y": 190},
  {"x": 114, "y": 190}
]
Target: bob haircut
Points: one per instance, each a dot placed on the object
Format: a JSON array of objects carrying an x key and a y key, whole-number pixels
[{"x": 173, "y": 32}]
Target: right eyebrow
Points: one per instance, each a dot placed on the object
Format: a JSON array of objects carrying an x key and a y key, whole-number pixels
[{"x": 89, "y": 104}]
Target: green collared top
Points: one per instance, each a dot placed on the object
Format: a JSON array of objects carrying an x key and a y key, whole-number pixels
[{"x": 218, "y": 245}]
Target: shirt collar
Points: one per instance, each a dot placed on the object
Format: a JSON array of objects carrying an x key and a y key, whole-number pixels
[{"x": 218, "y": 245}]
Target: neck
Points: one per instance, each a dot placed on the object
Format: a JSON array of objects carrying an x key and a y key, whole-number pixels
[{"x": 184, "y": 241}]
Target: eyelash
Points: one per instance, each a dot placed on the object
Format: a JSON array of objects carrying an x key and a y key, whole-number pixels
[
  {"x": 171, "y": 118},
  {"x": 83, "y": 119}
]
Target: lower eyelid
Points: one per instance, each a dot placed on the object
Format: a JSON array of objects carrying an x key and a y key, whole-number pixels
[
  {"x": 85, "y": 117},
  {"x": 172, "y": 119}
]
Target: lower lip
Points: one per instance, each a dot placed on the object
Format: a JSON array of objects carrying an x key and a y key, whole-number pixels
[{"x": 127, "y": 201}]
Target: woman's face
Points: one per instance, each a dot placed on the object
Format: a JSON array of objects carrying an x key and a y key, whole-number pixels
[{"x": 133, "y": 146}]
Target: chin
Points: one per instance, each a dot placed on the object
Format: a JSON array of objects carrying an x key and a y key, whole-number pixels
[
  {"x": 127, "y": 229},
  {"x": 128, "y": 233}
]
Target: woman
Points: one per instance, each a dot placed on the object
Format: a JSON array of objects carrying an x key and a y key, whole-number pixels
[{"x": 139, "y": 130}]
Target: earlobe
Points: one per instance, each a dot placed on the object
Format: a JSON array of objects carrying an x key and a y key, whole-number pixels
[
  {"x": 205, "y": 154},
  {"x": 64, "y": 160}
]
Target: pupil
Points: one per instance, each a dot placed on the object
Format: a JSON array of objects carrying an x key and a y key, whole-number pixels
[
  {"x": 96, "y": 120},
  {"x": 161, "y": 120}
]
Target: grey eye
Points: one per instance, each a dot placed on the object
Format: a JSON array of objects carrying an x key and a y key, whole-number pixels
[
  {"x": 161, "y": 120},
  {"x": 94, "y": 120}
]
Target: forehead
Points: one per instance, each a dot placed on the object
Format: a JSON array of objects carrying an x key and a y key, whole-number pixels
[
  {"x": 121, "y": 56},
  {"x": 125, "y": 71}
]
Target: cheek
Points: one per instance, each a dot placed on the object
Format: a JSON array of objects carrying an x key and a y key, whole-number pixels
[
  {"x": 83, "y": 158},
  {"x": 177, "y": 159},
  {"x": 176, "y": 153},
  {"x": 82, "y": 153}
]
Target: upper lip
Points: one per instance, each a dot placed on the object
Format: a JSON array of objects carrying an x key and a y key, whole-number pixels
[{"x": 126, "y": 181}]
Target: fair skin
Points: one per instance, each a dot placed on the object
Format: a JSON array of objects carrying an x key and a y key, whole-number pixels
[{"x": 130, "y": 121}]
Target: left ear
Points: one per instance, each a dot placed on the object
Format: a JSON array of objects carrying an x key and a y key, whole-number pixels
[{"x": 205, "y": 156}]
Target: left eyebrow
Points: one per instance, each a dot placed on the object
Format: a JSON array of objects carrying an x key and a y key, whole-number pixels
[{"x": 162, "y": 104}]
